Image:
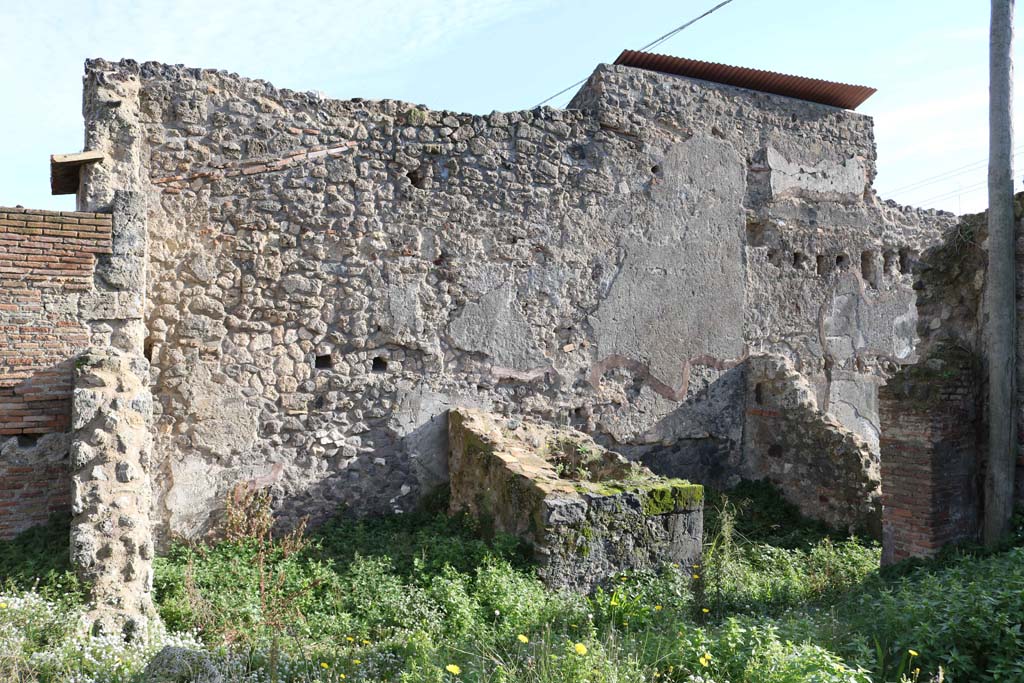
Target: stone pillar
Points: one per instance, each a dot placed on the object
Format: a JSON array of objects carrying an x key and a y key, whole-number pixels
[
  {"x": 111, "y": 545},
  {"x": 111, "y": 414},
  {"x": 114, "y": 308}
]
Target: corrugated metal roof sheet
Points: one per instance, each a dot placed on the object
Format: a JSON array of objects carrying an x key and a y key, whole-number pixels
[{"x": 811, "y": 89}]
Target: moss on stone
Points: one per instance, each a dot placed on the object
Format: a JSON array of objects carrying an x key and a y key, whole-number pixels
[
  {"x": 601, "y": 488},
  {"x": 658, "y": 495},
  {"x": 583, "y": 542},
  {"x": 416, "y": 117},
  {"x": 671, "y": 495}
]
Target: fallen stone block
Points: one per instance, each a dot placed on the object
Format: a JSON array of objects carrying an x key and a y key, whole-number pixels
[{"x": 588, "y": 513}]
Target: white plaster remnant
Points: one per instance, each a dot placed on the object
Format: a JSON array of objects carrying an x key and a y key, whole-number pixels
[{"x": 825, "y": 180}]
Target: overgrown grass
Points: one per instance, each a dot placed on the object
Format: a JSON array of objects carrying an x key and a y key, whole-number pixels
[
  {"x": 38, "y": 559},
  {"x": 763, "y": 557},
  {"x": 422, "y": 598}
]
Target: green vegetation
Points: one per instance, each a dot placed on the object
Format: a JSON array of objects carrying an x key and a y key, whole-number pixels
[
  {"x": 671, "y": 495},
  {"x": 421, "y": 598},
  {"x": 39, "y": 559}
]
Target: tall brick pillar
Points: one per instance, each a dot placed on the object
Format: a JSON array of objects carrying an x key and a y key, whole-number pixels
[{"x": 931, "y": 493}]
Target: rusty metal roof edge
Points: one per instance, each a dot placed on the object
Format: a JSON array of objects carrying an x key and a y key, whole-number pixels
[{"x": 832, "y": 93}]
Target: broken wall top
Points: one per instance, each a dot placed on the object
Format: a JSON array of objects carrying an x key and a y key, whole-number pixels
[{"x": 566, "y": 462}]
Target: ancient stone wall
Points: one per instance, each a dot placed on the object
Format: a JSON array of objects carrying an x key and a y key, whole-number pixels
[
  {"x": 68, "y": 280},
  {"x": 328, "y": 277},
  {"x": 830, "y": 473},
  {"x": 828, "y": 291},
  {"x": 47, "y": 264}
]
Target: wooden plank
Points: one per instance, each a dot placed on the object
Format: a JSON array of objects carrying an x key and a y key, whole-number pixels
[
  {"x": 65, "y": 169},
  {"x": 78, "y": 157}
]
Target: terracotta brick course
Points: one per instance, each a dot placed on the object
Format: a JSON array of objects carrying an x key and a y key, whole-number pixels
[
  {"x": 45, "y": 258},
  {"x": 29, "y": 496},
  {"x": 930, "y": 477}
]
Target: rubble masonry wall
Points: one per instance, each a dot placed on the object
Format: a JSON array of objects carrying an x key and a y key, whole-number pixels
[{"x": 328, "y": 277}]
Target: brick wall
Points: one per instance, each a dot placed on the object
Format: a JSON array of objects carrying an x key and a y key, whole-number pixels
[
  {"x": 47, "y": 264},
  {"x": 30, "y": 492},
  {"x": 931, "y": 484}
]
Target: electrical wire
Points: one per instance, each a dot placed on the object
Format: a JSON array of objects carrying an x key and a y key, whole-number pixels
[
  {"x": 954, "y": 193},
  {"x": 945, "y": 175},
  {"x": 653, "y": 43}
]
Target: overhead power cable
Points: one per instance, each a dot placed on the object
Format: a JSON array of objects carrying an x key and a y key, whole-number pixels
[
  {"x": 953, "y": 193},
  {"x": 945, "y": 175},
  {"x": 653, "y": 43},
  {"x": 662, "y": 39}
]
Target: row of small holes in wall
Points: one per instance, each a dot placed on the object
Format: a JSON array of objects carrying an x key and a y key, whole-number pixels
[
  {"x": 325, "y": 362},
  {"x": 824, "y": 263}
]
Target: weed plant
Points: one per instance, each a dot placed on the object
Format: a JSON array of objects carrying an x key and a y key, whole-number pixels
[{"x": 424, "y": 598}]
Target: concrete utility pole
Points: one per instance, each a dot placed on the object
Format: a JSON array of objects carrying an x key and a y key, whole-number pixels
[{"x": 1001, "y": 324}]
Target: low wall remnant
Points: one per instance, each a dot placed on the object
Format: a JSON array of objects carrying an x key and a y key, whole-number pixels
[{"x": 587, "y": 512}]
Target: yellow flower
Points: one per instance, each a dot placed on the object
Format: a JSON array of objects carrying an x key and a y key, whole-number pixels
[
  {"x": 522, "y": 638},
  {"x": 325, "y": 665},
  {"x": 705, "y": 610},
  {"x": 704, "y": 661},
  {"x": 357, "y": 662},
  {"x": 3, "y": 605},
  {"x": 350, "y": 639},
  {"x": 580, "y": 648},
  {"x": 365, "y": 641},
  {"x": 453, "y": 669},
  {"x": 342, "y": 676},
  {"x": 696, "y": 576},
  {"x": 657, "y": 608},
  {"x": 913, "y": 653},
  {"x": 696, "y": 565}
]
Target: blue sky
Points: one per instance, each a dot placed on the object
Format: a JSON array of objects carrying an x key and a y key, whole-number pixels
[{"x": 928, "y": 59}]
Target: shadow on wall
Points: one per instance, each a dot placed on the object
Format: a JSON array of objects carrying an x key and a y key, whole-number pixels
[
  {"x": 757, "y": 420},
  {"x": 389, "y": 473},
  {"x": 35, "y": 414},
  {"x": 36, "y": 400},
  {"x": 818, "y": 464},
  {"x": 700, "y": 440}
]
